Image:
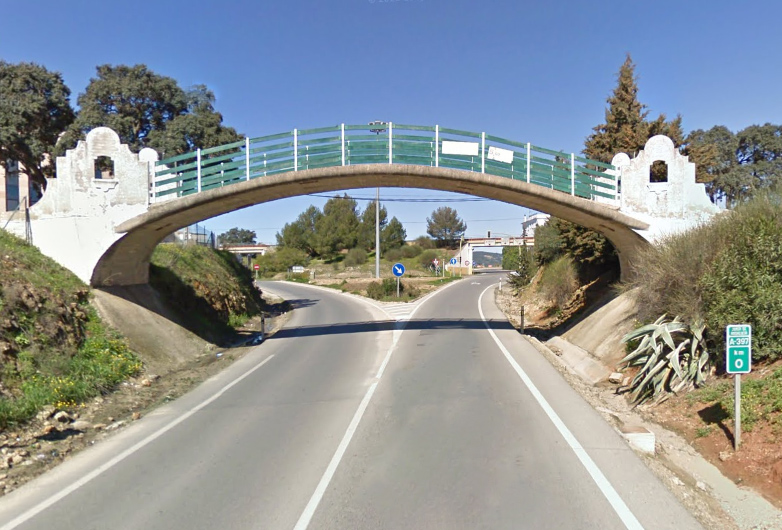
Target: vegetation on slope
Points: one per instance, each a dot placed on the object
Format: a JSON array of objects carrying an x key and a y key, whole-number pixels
[
  {"x": 54, "y": 349},
  {"x": 209, "y": 288}
]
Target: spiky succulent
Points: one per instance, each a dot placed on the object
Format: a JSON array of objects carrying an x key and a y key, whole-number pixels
[{"x": 671, "y": 356}]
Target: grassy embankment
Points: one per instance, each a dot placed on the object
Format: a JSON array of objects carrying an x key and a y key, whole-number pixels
[{"x": 56, "y": 351}]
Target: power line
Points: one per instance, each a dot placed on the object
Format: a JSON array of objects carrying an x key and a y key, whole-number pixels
[{"x": 390, "y": 199}]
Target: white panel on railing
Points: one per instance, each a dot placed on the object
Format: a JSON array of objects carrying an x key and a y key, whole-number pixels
[
  {"x": 500, "y": 155},
  {"x": 460, "y": 148}
]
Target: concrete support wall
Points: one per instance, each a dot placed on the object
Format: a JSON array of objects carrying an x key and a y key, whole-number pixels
[
  {"x": 75, "y": 221},
  {"x": 668, "y": 207}
]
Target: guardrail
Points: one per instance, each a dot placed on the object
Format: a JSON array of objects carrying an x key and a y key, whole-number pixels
[{"x": 382, "y": 143}]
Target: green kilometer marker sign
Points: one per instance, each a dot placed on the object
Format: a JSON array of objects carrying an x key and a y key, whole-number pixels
[{"x": 738, "y": 343}]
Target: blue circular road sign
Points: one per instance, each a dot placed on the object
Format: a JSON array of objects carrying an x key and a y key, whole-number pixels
[
  {"x": 453, "y": 261},
  {"x": 398, "y": 269}
]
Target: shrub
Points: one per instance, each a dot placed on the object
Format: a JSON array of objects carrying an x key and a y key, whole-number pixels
[
  {"x": 380, "y": 290},
  {"x": 395, "y": 254},
  {"x": 548, "y": 245},
  {"x": 355, "y": 257},
  {"x": 426, "y": 243},
  {"x": 558, "y": 281},
  {"x": 411, "y": 251},
  {"x": 426, "y": 257},
  {"x": 744, "y": 282}
]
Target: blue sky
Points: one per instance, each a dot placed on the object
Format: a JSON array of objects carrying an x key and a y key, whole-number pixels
[{"x": 528, "y": 71}]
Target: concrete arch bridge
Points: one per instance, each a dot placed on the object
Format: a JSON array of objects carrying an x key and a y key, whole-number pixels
[{"x": 104, "y": 224}]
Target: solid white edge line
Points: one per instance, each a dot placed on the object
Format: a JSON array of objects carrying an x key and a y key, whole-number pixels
[
  {"x": 35, "y": 510},
  {"x": 611, "y": 495}
]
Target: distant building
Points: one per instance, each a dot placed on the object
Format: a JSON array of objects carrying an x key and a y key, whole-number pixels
[
  {"x": 16, "y": 189},
  {"x": 531, "y": 222}
]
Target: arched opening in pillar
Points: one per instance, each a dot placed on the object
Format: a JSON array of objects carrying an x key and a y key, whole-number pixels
[
  {"x": 658, "y": 172},
  {"x": 104, "y": 167}
]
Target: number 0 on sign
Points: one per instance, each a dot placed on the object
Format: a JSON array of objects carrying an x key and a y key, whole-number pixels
[{"x": 738, "y": 348}]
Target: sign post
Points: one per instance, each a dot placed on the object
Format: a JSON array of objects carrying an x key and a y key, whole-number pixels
[
  {"x": 738, "y": 360},
  {"x": 256, "y": 267},
  {"x": 398, "y": 270}
]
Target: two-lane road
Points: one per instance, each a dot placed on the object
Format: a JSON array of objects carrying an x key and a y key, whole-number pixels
[{"x": 348, "y": 419}]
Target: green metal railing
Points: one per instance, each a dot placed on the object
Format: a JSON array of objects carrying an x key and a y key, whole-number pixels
[{"x": 385, "y": 143}]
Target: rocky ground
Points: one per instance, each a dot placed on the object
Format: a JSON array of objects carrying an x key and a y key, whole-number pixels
[{"x": 56, "y": 434}]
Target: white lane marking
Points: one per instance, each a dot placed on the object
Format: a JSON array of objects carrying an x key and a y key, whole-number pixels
[
  {"x": 602, "y": 482},
  {"x": 331, "y": 469},
  {"x": 35, "y": 510}
]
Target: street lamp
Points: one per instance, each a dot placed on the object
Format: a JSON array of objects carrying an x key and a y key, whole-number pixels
[{"x": 377, "y": 127}]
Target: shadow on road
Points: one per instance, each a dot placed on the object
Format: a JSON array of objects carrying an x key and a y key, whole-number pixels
[{"x": 387, "y": 325}]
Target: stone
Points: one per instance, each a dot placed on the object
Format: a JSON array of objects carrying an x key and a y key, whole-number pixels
[
  {"x": 62, "y": 417},
  {"x": 700, "y": 485},
  {"x": 725, "y": 455},
  {"x": 80, "y": 425},
  {"x": 615, "y": 377},
  {"x": 626, "y": 381},
  {"x": 99, "y": 426},
  {"x": 136, "y": 416}
]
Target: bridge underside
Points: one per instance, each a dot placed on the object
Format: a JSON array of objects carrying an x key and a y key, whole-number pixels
[{"x": 127, "y": 261}]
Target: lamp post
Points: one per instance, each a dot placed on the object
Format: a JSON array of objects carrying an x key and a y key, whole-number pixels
[{"x": 377, "y": 127}]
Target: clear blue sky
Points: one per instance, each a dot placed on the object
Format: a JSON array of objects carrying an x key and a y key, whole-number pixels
[{"x": 528, "y": 71}]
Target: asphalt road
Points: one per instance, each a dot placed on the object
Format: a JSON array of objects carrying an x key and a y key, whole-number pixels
[{"x": 347, "y": 419}]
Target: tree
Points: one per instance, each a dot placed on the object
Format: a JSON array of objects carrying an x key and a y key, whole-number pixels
[
  {"x": 626, "y": 130},
  {"x": 301, "y": 233},
  {"x": 736, "y": 166},
  {"x": 237, "y": 236},
  {"x": 140, "y": 105},
  {"x": 393, "y": 235},
  {"x": 200, "y": 126},
  {"x": 548, "y": 244},
  {"x": 34, "y": 110},
  {"x": 338, "y": 228},
  {"x": 444, "y": 226},
  {"x": 366, "y": 236}
]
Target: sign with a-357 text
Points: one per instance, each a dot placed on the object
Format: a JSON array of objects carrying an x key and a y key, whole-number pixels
[{"x": 738, "y": 348}]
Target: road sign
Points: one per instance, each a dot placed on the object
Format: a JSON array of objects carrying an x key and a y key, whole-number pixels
[
  {"x": 256, "y": 267},
  {"x": 436, "y": 262},
  {"x": 738, "y": 345},
  {"x": 398, "y": 269},
  {"x": 453, "y": 261},
  {"x": 467, "y": 263}
]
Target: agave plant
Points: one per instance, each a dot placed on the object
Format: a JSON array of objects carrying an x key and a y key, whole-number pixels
[{"x": 672, "y": 357}]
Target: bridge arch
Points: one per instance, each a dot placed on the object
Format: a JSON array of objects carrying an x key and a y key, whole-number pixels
[{"x": 127, "y": 261}]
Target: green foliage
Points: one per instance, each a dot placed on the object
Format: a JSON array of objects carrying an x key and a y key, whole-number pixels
[
  {"x": 744, "y": 281},
  {"x": 425, "y": 242},
  {"x": 366, "y": 233},
  {"x": 548, "y": 244},
  {"x": 208, "y": 288},
  {"x": 726, "y": 272},
  {"x": 148, "y": 110},
  {"x": 591, "y": 251},
  {"x": 445, "y": 226},
  {"x": 337, "y": 229},
  {"x": 411, "y": 251},
  {"x": 521, "y": 262},
  {"x": 426, "y": 257},
  {"x": 395, "y": 254},
  {"x": 626, "y": 128},
  {"x": 301, "y": 233},
  {"x": 736, "y": 166},
  {"x": 558, "y": 281},
  {"x": 393, "y": 235},
  {"x": 34, "y": 110},
  {"x": 387, "y": 289},
  {"x": 671, "y": 357},
  {"x": 355, "y": 257},
  {"x": 281, "y": 260},
  {"x": 237, "y": 236}
]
